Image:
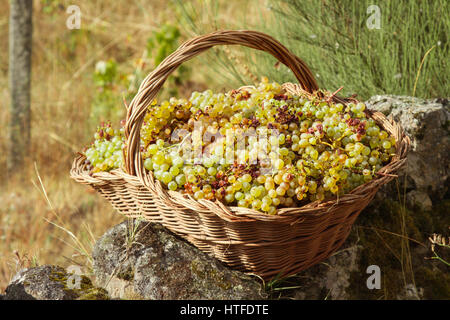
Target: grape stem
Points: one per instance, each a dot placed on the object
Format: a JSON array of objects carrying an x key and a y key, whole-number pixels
[
  {"x": 331, "y": 146},
  {"x": 125, "y": 102},
  {"x": 334, "y": 94},
  {"x": 326, "y": 143}
]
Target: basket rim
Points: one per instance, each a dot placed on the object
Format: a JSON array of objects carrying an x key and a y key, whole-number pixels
[{"x": 235, "y": 213}]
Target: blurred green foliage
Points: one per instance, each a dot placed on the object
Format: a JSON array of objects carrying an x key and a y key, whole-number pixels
[
  {"x": 105, "y": 73},
  {"x": 51, "y": 6},
  {"x": 162, "y": 43},
  {"x": 106, "y": 104},
  {"x": 115, "y": 83}
]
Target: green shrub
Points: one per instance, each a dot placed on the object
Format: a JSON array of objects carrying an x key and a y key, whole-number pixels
[{"x": 333, "y": 38}]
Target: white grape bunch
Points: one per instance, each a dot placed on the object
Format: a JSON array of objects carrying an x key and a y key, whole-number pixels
[{"x": 258, "y": 147}]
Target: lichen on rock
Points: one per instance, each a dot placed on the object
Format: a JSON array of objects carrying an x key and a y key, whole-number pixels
[
  {"x": 159, "y": 265},
  {"x": 426, "y": 122},
  {"x": 52, "y": 283}
]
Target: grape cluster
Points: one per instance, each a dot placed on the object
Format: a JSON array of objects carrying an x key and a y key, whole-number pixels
[
  {"x": 105, "y": 153},
  {"x": 314, "y": 148}
]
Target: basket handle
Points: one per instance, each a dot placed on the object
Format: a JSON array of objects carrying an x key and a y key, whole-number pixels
[{"x": 151, "y": 85}]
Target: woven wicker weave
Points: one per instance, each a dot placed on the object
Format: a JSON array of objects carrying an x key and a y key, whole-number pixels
[{"x": 266, "y": 245}]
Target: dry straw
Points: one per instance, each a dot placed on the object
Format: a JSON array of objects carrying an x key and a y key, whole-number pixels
[{"x": 248, "y": 240}]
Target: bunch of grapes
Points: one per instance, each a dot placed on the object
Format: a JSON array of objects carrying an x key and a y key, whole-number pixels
[
  {"x": 211, "y": 147},
  {"x": 105, "y": 153}
]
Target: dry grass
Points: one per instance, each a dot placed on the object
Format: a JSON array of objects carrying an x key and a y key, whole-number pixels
[
  {"x": 61, "y": 98},
  {"x": 46, "y": 218},
  {"x": 62, "y": 90}
]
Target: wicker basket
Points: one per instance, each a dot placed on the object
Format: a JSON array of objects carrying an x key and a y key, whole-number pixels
[{"x": 245, "y": 239}]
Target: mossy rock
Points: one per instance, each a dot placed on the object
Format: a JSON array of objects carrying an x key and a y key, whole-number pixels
[
  {"x": 52, "y": 283},
  {"x": 156, "y": 264},
  {"x": 395, "y": 238}
]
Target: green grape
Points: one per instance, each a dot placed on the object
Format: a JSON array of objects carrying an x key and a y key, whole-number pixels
[
  {"x": 172, "y": 185},
  {"x": 246, "y": 186},
  {"x": 208, "y": 162},
  {"x": 272, "y": 193},
  {"x": 166, "y": 177},
  {"x": 265, "y": 206},
  {"x": 256, "y": 204},
  {"x": 267, "y": 199},
  {"x": 164, "y": 167},
  {"x": 180, "y": 179},
  {"x": 177, "y": 162},
  {"x": 278, "y": 164},
  {"x": 280, "y": 191},
  {"x": 199, "y": 195},
  {"x": 255, "y": 192},
  {"x": 211, "y": 171},
  {"x": 382, "y": 135},
  {"x": 148, "y": 164},
  {"x": 314, "y": 154},
  {"x": 158, "y": 158},
  {"x": 237, "y": 185},
  {"x": 239, "y": 196},
  {"x": 152, "y": 149},
  {"x": 174, "y": 171},
  {"x": 242, "y": 203},
  {"x": 261, "y": 179},
  {"x": 386, "y": 144},
  {"x": 201, "y": 170},
  {"x": 269, "y": 184},
  {"x": 191, "y": 178},
  {"x": 229, "y": 197}
]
